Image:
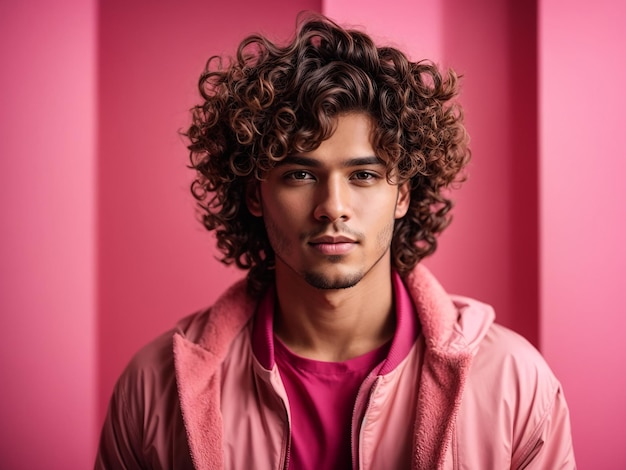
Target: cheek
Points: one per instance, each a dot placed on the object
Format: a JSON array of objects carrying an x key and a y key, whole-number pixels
[
  {"x": 380, "y": 202},
  {"x": 286, "y": 204},
  {"x": 385, "y": 235}
]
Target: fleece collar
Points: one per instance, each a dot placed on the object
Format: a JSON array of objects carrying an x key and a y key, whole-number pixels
[
  {"x": 198, "y": 375},
  {"x": 445, "y": 368}
]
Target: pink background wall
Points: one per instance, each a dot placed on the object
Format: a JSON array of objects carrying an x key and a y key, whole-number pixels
[
  {"x": 101, "y": 251},
  {"x": 583, "y": 218},
  {"x": 48, "y": 375}
]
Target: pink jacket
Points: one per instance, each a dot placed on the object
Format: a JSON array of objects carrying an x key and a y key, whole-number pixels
[{"x": 474, "y": 395}]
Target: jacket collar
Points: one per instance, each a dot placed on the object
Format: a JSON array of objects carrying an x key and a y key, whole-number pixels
[{"x": 445, "y": 368}]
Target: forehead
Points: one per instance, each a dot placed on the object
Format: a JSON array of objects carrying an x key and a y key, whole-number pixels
[{"x": 351, "y": 139}]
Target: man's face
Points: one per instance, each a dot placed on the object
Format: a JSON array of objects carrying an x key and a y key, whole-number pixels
[{"x": 330, "y": 213}]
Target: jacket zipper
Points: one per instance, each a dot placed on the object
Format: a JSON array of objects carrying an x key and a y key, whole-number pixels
[
  {"x": 357, "y": 463},
  {"x": 287, "y": 438}
]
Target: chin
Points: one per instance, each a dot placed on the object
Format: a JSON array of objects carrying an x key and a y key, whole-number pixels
[{"x": 325, "y": 282}]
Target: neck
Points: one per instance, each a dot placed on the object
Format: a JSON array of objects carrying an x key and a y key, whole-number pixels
[{"x": 334, "y": 324}]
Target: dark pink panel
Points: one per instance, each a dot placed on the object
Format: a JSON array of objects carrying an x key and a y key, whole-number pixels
[{"x": 156, "y": 262}]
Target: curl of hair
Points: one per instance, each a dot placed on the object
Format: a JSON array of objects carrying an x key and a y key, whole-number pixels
[{"x": 274, "y": 100}]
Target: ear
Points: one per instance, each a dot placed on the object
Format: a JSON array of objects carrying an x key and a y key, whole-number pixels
[
  {"x": 253, "y": 198},
  {"x": 404, "y": 199}
]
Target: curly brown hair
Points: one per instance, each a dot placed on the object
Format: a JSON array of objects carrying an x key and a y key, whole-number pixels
[{"x": 275, "y": 100}]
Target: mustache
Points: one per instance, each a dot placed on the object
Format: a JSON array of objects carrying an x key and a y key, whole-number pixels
[{"x": 335, "y": 229}]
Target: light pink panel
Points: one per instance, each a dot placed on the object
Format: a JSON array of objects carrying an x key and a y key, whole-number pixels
[
  {"x": 47, "y": 209},
  {"x": 583, "y": 218},
  {"x": 490, "y": 250},
  {"x": 156, "y": 262}
]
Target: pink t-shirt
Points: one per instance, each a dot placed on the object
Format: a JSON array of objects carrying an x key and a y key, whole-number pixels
[
  {"x": 322, "y": 395},
  {"x": 321, "y": 401}
]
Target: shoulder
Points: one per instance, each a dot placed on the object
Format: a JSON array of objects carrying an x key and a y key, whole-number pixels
[
  {"x": 150, "y": 372},
  {"x": 513, "y": 406},
  {"x": 514, "y": 368},
  {"x": 511, "y": 388},
  {"x": 212, "y": 329},
  {"x": 504, "y": 352},
  {"x": 143, "y": 422}
]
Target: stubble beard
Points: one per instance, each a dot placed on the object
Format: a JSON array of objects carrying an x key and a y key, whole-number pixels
[{"x": 320, "y": 280}]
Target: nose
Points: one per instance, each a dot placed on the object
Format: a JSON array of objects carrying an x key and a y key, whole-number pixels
[{"x": 333, "y": 200}]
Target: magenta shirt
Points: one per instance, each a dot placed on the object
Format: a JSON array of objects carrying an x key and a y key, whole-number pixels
[
  {"x": 321, "y": 399},
  {"x": 322, "y": 394}
]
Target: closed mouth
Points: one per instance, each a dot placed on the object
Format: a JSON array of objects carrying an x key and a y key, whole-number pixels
[{"x": 331, "y": 240}]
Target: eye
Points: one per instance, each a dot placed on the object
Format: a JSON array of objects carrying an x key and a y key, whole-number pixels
[
  {"x": 298, "y": 175},
  {"x": 365, "y": 176}
]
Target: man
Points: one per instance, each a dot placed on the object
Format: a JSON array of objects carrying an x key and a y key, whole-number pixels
[{"x": 321, "y": 166}]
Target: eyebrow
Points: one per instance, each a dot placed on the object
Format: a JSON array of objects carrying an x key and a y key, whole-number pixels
[{"x": 313, "y": 163}]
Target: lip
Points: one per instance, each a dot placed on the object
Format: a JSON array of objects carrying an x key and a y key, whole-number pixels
[
  {"x": 331, "y": 239},
  {"x": 333, "y": 245}
]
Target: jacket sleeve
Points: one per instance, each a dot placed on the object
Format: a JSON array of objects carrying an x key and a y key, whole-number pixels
[
  {"x": 551, "y": 445},
  {"x": 120, "y": 440}
]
